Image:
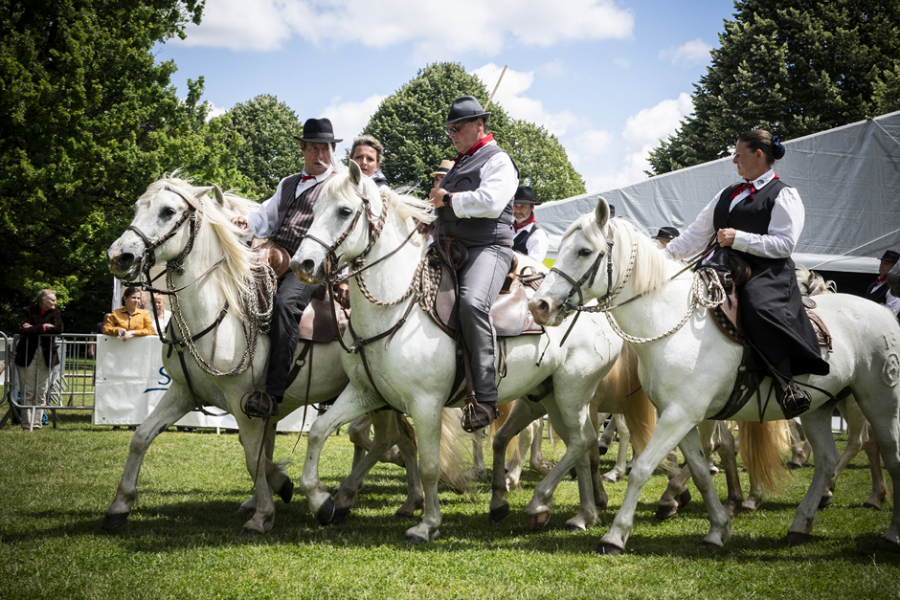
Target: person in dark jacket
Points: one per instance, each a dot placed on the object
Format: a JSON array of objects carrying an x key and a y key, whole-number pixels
[
  {"x": 879, "y": 291},
  {"x": 42, "y": 319}
]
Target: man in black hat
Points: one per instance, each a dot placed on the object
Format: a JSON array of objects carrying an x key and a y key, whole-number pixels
[
  {"x": 475, "y": 206},
  {"x": 284, "y": 219},
  {"x": 879, "y": 291},
  {"x": 666, "y": 235},
  {"x": 529, "y": 237}
]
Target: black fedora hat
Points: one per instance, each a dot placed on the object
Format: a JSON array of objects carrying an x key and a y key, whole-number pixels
[
  {"x": 667, "y": 233},
  {"x": 524, "y": 195},
  {"x": 465, "y": 107},
  {"x": 318, "y": 131},
  {"x": 891, "y": 256}
]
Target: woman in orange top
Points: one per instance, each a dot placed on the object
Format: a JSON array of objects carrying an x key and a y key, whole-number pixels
[{"x": 130, "y": 320}]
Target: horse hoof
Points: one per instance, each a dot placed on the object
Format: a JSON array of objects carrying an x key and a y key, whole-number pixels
[
  {"x": 797, "y": 539},
  {"x": 538, "y": 521},
  {"x": 287, "y": 491},
  {"x": 794, "y": 466},
  {"x": 415, "y": 539},
  {"x": 498, "y": 514},
  {"x": 825, "y": 502},
  {"x": 609, "y": 549},
  {"x": 113, "y": 522},
  {"x": 892, "y": 540},
  {"x": 325, "y": 514},
  {"x": 243, "y": 510},
  {"x": 573, "y": 528},
  {"x": 601, "y": 506},
  {"x": 666, "y": 512},
  {"x": 710, "y": 545},
  {"x": 248, "y": 532},
  {"x": 872, "y": 505},
  {"x": 713, "y": 472},
  {"x": 684, "y": 498},
  {"x": 603, "y": 450},
  {"x": 340, "y": 515}
]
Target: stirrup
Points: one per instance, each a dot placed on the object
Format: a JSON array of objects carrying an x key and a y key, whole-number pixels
[
  {"x": 478, "y": 416},
  {"x": 794, "y": 401},
  {"x": 258, "y": 404}
]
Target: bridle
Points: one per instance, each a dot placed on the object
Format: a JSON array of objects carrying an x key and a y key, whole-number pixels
[{"x": 194, "y": 214}]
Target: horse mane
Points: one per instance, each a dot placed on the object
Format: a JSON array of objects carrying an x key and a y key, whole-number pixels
[
  {"x": 815, "y": 283},
  {"x": 651, "y": 268},
  {"x": 404, "y": 205},
  {"x": 234, "y": 277}
]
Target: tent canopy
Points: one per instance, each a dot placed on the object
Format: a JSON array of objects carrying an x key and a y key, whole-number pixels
[{"x": 848, "y": 178}]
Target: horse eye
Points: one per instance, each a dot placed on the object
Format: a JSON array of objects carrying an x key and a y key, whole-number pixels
[
  {"x": 167, "y": 213},
  {"x": 345, "y": 211},
  {"x": 585, "y": 252}
]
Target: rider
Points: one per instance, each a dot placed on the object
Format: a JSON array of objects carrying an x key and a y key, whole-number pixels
[
  {"x": 284, "y": 219},
  {"x": 759, "y": 219},
  {"x": 475, "y": 207},
  {"x": 530, "y": 238}
]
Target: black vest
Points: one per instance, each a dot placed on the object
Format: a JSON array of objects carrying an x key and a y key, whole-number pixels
[
  {"x": 879, "y": 295},
  {"x": 750, "y": 214},
  {"x": 465, "y": 176},
  {"x": 295, "y": 214},
  {"x": 520, "y": 243}
]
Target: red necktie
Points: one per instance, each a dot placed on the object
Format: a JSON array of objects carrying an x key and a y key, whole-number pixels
[
  {"x": 306, "y": 178},
  {"x": 744, "y": 186}
]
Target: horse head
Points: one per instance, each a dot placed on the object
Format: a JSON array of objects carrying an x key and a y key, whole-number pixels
[
  {"x": 575, "y": 275},
  {"x": 161, "y": 227},
  {"x": 343, "y": 220}
]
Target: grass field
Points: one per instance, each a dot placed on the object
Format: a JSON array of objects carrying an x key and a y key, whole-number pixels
[{"x": 182, "y": 542}]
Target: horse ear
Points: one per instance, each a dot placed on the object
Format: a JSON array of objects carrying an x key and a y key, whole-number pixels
[
  {"x": 199, "y": 192},
  {"x": 355, "y": 173},
  {"x": 219, "y": 195},
  {"x": 601, "y": 213}
]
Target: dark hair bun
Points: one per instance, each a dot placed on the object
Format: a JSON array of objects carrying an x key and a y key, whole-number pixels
[{"x": 777, "y": 148}]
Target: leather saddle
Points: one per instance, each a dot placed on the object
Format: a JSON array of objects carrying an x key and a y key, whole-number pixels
[
  {"x": 317, "y": 323},
  {"x": 509, "y": 313}
]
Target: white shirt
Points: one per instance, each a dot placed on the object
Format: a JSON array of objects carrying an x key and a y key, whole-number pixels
[
  {"x": 499, "y": 182},
  {"x": 263, "y": 221},
  {"x": 163, "y": 320},
  {"x": 538, "y": 244},
  {"x": 891, "y": 301},
  {"x": 785, "y": 226}
]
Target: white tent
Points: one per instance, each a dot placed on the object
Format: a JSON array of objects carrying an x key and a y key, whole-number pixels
[{"x": 848, "y": 178}]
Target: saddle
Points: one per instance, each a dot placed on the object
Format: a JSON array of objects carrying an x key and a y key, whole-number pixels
[
  {"x": 317, "y": 323},
  {"x": 509, "y": 313}
]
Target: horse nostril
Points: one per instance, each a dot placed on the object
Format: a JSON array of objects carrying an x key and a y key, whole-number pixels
[
  {"x": 124, "y": 259},
  {"x": 542, "y": 307},
  {"x": 307, "y": 266}
]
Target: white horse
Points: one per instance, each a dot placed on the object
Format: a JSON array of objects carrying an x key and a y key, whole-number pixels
[
  {"x": 410, "y": 363},
  {"x": 217, "y": 273},
  {"x": 688, "y": 367}
]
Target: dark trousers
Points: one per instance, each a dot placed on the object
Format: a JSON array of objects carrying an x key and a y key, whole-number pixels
[
  {"x": 480, "y": 281},
  {"x": 291, "y": 299}
]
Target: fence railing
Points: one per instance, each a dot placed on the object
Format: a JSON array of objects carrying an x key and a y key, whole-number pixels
[{"x": 70, "y": 384}]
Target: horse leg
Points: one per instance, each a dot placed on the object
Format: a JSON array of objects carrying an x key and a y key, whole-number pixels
[
  {"x": 719, "y": 521},
  {"x": 710, "y": 439},
  {"x": 800, "y": 448},
  {"x": 676, "y": 495},
  {"x": 415, "y": 495},
  {"x": 885, "y": 427},
  {"x": 252, "y": 434},
  {"x": 349, "y": 405},
  {"x": 428, "y": 430},
  {"x": 358, "y": 434},
  {"x": 618, "y": 472},
  {"x": 536, "y": 461},
  {"x": 516, "y": 463},
  {"x": 576, "y": 428},
  {"x": 817, "y": 425},
  {"x": 879, "y": 489},
  {"x": 671, "y": 427},
  {"x": 478, "y": 472},
  {"x": 175, "y": 403},
  {"x": 606, "y": 438},
  {"x": 728, "y": 458},
  {"x": 278, "y": 480},
  {"x": 521, "y": 414},
  {"x": 856, "y": 437}
]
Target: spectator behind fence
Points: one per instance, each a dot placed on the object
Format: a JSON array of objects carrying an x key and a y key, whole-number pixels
[
  {"x": 33, "y": 367},
  {"x": 161, "y": 313},
  {"x": 130, "y": 320}
]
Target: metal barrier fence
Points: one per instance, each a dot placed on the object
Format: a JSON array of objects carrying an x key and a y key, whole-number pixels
[{"x": 70, "y": 384}]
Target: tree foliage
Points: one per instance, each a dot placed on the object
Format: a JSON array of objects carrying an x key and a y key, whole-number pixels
[
  {"x": 87, "y": 120},
  {"x": 270, "y": 149},
  {"x": 542, "y": 161},
  {"x": 791, "y": 67},
  {"x": 409, "y": 124}
]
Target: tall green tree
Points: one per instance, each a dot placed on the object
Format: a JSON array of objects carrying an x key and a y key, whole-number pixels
[
  {"x": 268, "y": 149},
  {"x": 792, "y": 67},
  {"x": 542, "y": 161},
  {"x": 88, "y": 119}
]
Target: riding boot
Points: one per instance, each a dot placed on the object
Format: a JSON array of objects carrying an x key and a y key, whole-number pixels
[
  {"x": 478, "y": 415},
  {"x": 793, "y": 400}
]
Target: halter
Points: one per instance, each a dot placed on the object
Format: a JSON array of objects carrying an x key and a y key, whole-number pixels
[{"x": 193, "y": 214}]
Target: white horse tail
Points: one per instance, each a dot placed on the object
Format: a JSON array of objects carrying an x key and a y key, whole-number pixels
[
  {"x": 761, "y": 448},
  {"x": 453, "y": 454},
  {"x": 639, "y": 412}
]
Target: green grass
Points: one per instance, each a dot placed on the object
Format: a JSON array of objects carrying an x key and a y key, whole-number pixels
[{"x": 182, "y": 542}]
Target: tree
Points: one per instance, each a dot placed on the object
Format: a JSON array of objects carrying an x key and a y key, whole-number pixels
[
  {"x": 270, "y": 150},
  {"x": 543, "y": 162},
  {"x": 87, "y": 120},
  {"x": 791, "y": 67}
]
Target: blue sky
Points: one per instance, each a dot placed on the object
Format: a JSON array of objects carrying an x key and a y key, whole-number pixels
[{"x": 609, "y": 78}]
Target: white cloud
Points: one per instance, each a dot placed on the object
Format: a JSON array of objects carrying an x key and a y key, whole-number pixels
[
  {"x": 552, "y": 69},
  {"x": 350, "y": 118},
  {"x": 622, "y": 63},
  {"x": 214, "y": 111},
  {"x": 265, "y": 25},
  {"x": 510, "y": 95},
  {"x": 691, "y": 54}
]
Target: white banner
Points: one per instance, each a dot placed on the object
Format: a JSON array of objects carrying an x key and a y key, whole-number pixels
[{"x": 131, "y": 381}]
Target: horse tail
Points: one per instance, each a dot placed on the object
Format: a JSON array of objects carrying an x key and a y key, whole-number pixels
[
  {"x": 408, "y": 430},
  {"x": 761, "y": 447},
  {"x": 639, "y": 412},
  {"x": 452, "y": 454}
]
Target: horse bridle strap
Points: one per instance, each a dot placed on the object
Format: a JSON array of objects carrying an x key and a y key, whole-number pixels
[{"x": 587, "y": 277}]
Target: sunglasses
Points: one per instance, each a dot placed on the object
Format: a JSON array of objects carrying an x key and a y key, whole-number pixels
[{"x": 456, "y": 128}]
